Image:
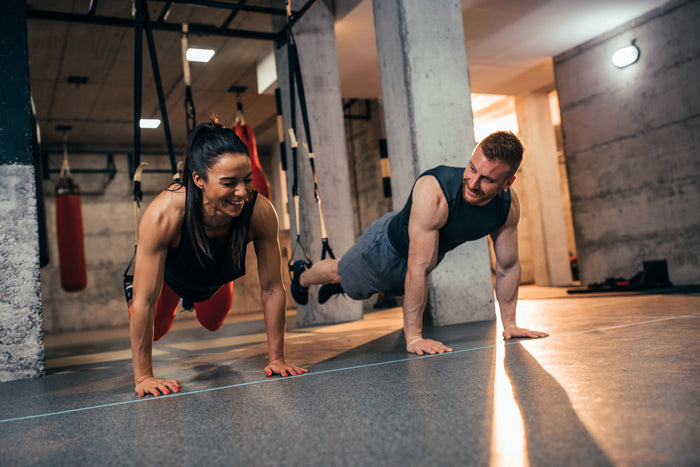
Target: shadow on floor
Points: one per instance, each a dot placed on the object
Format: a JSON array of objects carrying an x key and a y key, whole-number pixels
[{"x": 555, "y": 435}]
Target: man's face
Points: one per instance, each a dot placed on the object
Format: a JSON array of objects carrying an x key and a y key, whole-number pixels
[{"x": 484, "y": 179}]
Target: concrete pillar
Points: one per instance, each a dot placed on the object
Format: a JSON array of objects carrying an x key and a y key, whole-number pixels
[
  {"x": 427, "y": 107},
  {"x": 21, "y": 336},
  {"x": 315, "y": 38},
  {"x": 542, "y": 191}
]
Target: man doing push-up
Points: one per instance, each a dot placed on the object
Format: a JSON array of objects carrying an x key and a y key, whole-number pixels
[{"x": 447, "y": 207}]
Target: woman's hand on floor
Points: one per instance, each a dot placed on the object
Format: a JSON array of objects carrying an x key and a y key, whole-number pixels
[
  {"x": 280, "y": 367},
  {"x": 156, "y": 386}
]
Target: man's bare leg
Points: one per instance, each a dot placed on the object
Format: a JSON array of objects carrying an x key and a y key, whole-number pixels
[{"x": 324, "y": 272}]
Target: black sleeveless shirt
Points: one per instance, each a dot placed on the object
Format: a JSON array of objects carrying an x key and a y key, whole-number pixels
[
  {"x": 194, "y": 281},
  {"x": 465, "y": 221}
]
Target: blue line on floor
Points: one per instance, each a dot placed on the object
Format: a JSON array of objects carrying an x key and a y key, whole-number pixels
[
  {"x": 237, "y": 385},
  {"x": 368, "y": 365}
]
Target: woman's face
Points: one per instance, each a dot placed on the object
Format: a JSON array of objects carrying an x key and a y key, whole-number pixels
[{"x": 228, "y": 184}]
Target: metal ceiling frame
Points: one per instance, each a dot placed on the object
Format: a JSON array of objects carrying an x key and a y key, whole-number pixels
[
  {"x": 140, "y": 22},
  {"x": 195, "y": 28}
]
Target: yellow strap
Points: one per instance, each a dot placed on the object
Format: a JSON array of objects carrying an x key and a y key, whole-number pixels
[
  {"x": 306, "y": 146},
  {"x": 296, "y": 210},
  {"x": 280, "y": 129},
  {"x": 324, "y": 234},
  {"x": 180, "y": 170},
  {"x": 293, "y": 138},
  {"x": 185, "y": 63},
  {"x": 139, "y": 171}
]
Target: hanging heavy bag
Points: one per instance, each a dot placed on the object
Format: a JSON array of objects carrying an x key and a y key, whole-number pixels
[
  {"x": 69, "y": 228},
  {"x": 260, "y": 183},
  {"x": 69, "y": 232}
]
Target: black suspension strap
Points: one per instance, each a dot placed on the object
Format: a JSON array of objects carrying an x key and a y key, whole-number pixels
[
  {"x": 142, "y": 23},
  {"x": 296, "y": 85},
  {"x": 294, "y": 146},
  {"x": 190, "y": 114},
  {"x": 143, "y": 10},
  {"x": 280, "y": 128}
]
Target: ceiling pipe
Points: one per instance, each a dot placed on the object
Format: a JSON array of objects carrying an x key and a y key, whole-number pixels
[
  {"x": 205, "y": 29},
  {"x": 195, "y": 28}
]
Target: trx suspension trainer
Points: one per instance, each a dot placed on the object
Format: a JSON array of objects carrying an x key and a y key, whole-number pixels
[
  {"x": 296, "y": 85},
  {"x": 143, "y": 24}
]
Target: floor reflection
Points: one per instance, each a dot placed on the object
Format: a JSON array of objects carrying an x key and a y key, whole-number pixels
[{"x": 508, "y": 443}]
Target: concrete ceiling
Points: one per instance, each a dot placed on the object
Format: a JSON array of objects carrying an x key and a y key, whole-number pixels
[{"x": 509, "y": 48}]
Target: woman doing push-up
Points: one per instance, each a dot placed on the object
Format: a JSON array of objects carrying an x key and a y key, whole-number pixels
[{"x": 192, "y": 246}]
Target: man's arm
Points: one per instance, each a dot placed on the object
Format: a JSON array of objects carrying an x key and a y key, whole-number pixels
[
  {"x": 267, "y": 250},
  {"x": 428, "y": 215},
  {"x": 505, "y": 245}
]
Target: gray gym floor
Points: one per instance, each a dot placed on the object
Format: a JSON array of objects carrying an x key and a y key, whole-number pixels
[{"x": 616, "y": 383}]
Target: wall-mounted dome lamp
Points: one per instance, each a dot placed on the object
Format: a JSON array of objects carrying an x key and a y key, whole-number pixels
[{"x": 626, "y": 56}]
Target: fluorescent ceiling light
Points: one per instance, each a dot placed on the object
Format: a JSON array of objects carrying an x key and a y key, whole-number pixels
[
  {"x": 149, "y": 123},
  {"x": 199, "y": 55},
  {"x": 625, "y": 56}
]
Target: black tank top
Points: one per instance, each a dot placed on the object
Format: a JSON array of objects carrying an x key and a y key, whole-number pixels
[
  {"x": 194, "y": 281},
  {"x": 465, "y": 221}
]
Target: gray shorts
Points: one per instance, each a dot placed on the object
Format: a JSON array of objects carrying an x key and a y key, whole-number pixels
[{"x": 372, "y": 265}]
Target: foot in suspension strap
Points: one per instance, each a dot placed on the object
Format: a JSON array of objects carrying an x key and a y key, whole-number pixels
[
  {"x": 128, "y": 288},
  {"x": 299, "y": 292},
  {"x": 327, "y": 291}
]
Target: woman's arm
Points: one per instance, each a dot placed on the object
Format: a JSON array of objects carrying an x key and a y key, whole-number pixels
[
  {"x": 264, "y": 226},
  {"x": 156, "y": 229}
]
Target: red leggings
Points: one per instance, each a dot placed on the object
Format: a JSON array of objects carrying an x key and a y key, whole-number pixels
[{"x": 211, "y": 312}]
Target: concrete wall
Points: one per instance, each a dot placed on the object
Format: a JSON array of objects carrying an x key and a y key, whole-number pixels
[
  {"x": 364, "y": 158},
  {"x": 632, "y": 146},
  {"x": 21, "y": 338},
  {"x": 363, "y": 137},
  {"x": 108, "y": 225}
]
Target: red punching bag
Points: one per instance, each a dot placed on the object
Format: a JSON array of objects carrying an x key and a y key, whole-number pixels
[
  {"x": 69, "y": 231},
  {"x": 260, "y": 183}
]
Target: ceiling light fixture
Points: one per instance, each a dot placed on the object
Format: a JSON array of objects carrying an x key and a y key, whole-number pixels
[
  {"x": 199, "y": 55},
  {"x": 149, "y": 123},
  {"x": 626, "y": 56},
  {"x": 77, "y": 80}
]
